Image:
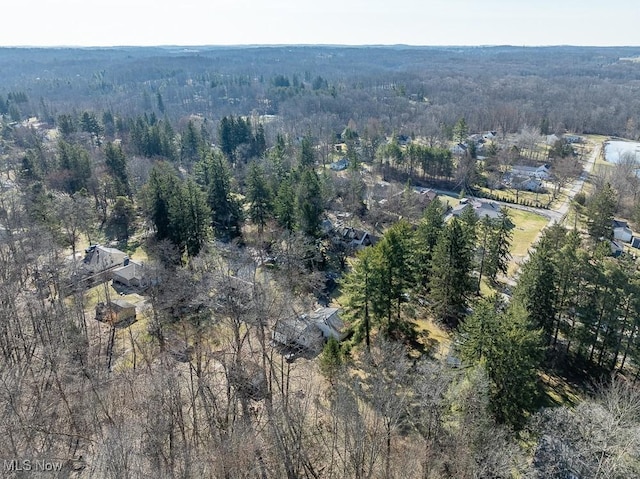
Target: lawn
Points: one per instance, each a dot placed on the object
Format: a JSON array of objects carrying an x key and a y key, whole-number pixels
[{"x": 527, "y": 228}]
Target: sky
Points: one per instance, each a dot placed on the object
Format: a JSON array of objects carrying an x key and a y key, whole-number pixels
[{"x": 344, "y": 22}]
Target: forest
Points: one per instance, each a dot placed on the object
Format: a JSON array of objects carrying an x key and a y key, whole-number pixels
[{"x": 319, "y": 262}]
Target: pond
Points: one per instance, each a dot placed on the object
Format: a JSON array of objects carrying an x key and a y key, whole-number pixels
[{"x": 614, "y": 150}]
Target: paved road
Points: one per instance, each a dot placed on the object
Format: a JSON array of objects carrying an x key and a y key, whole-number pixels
[
  {"x": 562, "y": 211},
  {"x": 555, "y": 215}
]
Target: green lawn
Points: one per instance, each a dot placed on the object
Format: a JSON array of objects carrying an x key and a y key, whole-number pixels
[{"x": 527, "y": 228}]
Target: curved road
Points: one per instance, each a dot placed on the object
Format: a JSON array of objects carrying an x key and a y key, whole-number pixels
[{"x": 554, "y": 216}]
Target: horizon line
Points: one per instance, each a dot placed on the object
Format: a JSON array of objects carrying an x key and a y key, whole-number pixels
[{"x": 325, "y": 45}]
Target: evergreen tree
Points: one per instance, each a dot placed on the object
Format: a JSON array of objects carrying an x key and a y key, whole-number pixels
[
  {"x": 74, "y": 168},
  {"x": 495, "y": 240},
  {"x": 360, "y": 288},
  {"x": 309, "y": 202},
  {"x": 307, "y": 153},
  {"x": 258, "y": 196},
  {"x": 122, "y": 218},
  {"x": 190, "y": 143},
  {"x": 450, "y": 283},
  {"x": 197, "y": 217},
  {"x": 226, "y": 209},
  {"x": 162, "y": 185},
  {"x": 536, "y": 289},
  {"x": 285, "y": 205},
  {"x": 600, "y": 211},
  {"x": 460, "y": 130},
  {"x": 178, "y": 209},
  {"x": 160, "y": 103},
  {"x": 66, "y": 125},
  {"x": 509, "y": 349},
  {"x": 330, "y": 360},
  {"x": 90, "y": 124},
  {"x": 116, "y": 164},
  {"x": 425, "y": 240},
  {"x": 395, "y": 278}
]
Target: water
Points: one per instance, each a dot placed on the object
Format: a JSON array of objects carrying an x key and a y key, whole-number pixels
[{"x": 614, "y": 150}]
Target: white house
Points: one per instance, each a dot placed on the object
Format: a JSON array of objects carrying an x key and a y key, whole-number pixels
[
  {"x": 528, "y": 184},
  {"x": 541, "y": 172},
  {"x": 459, "y": 149},
  {"x": 621, "y": 231},
  {"x": 480, "y": 208},
  {"x": 329, "y": 322}
]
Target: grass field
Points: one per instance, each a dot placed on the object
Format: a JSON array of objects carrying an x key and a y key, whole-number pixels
[{"x": 527, "y": 228}]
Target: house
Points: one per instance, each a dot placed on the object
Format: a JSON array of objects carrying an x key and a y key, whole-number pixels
[
  {"x": 617, "y": 248},
  {"x": 403, "y": 140},
  {"x": 573, "y": 139},
  {"x": 427, "y": 193},
  {"x": 552, "y": 139},
  {"x": 481, "y": 209},
  {"x": 621, "y": 231},
  {"x": 528, "y": 184},
  {"x": 130, "y": 275},
  {"x": 541, "y": 172},
  {"x": 116, "y": 311},
  {"x": 99, "y": 258},
  {"x": 298, "y": 334},
  {"x": 328, "y": 321},
  {"x": 340, "y": 165},
  {"x": 355, "y": 237},
  {"x": 459, "y": 149},
  {"x": 310, "y": 331},
  {"x": 490, "y": 135}
]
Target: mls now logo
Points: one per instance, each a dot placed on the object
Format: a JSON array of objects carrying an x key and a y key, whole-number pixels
[{"x": 39, "y": 465}]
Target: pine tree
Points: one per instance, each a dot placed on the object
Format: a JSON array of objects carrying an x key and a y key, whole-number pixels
[
  {"x": 116, "y": 163},
  {"x": 162, "y": 185},
  {"x": 258, "y": 196},
  {"x": 226, "y": 209},
  {"x": 395, "y": 278},
  {"x": 190, "y": 143},
  {"x": 510, "y": 350},
  {"x": 307, "y": 153},
  {"x": 309, "y": 203},
  {"x": 451, "y": 283},
  {"x": 425, "y": 240},
  {"x": 496, "y": 241},
  {"x": 285, "y": 205},
  {"x": 600, "y": 211},
  {"x": 359, "y": 288},
  {"x": 178, "y": 209},
  {"x": 330, "y": 360},
  {"x": 197, "y": 218},
  {"x": 460, "y": 130},
  {"x": 536, "y": 289}
]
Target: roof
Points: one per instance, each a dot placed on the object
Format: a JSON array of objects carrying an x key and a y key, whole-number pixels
[
  {"x": 327, "y": 316},
  {"x": 481, "y": 208},
  {"x": 341, "y": 164},
  {"x": 130, "y": 271},
  {"x": 619, "y": 224},
  {"x": 635, "y": 242},
  {"x": 529, "y": 169},
  {"x": 122, "y": 303},
  {"x": 100, "y": 258}
]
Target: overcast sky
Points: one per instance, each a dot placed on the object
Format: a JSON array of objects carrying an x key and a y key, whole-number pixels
[{"x": 352, "y": 22}]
